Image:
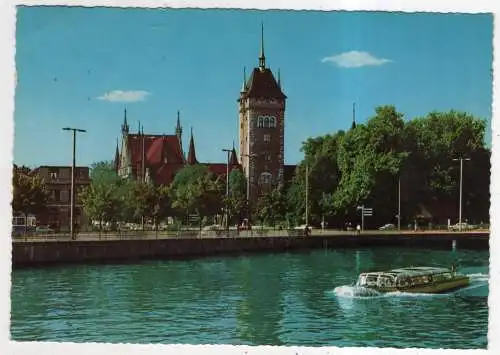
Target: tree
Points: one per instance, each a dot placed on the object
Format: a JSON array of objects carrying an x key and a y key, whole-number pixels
[
  {"x": 195, "y": 190},
  {"x": 320, "y": 157},
  {"x": 236, "y": 201},
  {"x": 370, "y": 157},
  {"x": 271, "y": 207},
  {"x": 105, "y": 198},
  {"x": 30, "y": 195}
]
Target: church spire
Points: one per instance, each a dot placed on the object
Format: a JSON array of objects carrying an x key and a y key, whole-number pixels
[
  {"x": 262, "y": 57},
  {"x": 244, "y": 86},
  {"x": 233, "y": 159},
  {"x": 191, "y": 158},
  {"x": 178, "y": 128},
  {"x": 125, "y": 127},
  {"x": 353, "y": 115}
]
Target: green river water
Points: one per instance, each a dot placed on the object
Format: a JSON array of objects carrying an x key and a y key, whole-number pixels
[{"x": 266, "y": 299}]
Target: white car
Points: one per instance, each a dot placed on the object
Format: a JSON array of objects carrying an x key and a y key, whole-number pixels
[
  {"x": 388, "y": 226},
  {"x": 461, "y": 226}
]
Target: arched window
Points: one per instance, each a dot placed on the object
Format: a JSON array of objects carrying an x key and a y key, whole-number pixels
[
  {"x": 272, "y": 122},
  {"x": 266, "y": 178},
  {"x": 266, "y": 121},
  {"x": 261, "y": 122}
]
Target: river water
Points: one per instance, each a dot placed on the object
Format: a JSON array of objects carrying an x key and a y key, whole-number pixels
[{"x": 267, "y": 299}]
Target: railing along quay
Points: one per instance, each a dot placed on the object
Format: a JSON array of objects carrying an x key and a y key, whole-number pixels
[{"x": 194, "y": 234}]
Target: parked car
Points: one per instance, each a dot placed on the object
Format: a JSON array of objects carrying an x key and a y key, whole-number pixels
[
  {"x": 44, "y": 230},
  {"x": 388, "y": 226},
  {"x": 461, "y": 226}
]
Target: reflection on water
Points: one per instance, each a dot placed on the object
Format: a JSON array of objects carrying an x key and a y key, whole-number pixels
[{"x": 275, "y": 299}]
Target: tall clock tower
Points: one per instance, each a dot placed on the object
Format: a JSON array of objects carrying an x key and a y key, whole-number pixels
[{"x": 262, "y": 127}]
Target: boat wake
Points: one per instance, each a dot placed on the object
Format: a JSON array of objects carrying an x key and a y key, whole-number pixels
[{"x": 478, "y": 283}]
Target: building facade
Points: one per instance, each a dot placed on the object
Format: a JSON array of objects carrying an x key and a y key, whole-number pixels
[
  {"x": 157, "y": 158},
  {"x": 262, "y": 128},
  {"x": 58, "y": 181}
]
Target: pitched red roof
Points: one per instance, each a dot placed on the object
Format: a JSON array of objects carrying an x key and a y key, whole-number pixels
[
  {"x": 165, "y": 174},
  {"x": 157, "y": 148},
  {"x": 263, "y": 84},
  {"x": 221, "y": 168}
]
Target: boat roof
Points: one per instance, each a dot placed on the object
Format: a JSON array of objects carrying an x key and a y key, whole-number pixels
[{"x": 411, "y": 271}]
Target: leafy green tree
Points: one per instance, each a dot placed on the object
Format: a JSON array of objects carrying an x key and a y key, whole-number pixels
[
  {"x": 320, "y": 157},
  {"x": 236, "y": 201},
  {"x": 105, "y": 199},
  {"x": 271, "y": 207},
  {"x": 30, "y": 195},
  {"x": 195, "y": 190}
]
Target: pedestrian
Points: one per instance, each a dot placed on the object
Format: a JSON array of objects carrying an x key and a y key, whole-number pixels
[{"x": 358, "y": 229}]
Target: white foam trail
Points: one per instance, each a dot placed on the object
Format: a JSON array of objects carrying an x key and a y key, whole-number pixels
[
  {"x": 348, "y": 291},
  {"x": 479, "y": 277}
]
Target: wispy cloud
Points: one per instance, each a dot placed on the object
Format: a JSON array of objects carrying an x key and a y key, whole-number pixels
[
  {"x": 355, "y": 59},
  {"x": 124, "y": 96}
]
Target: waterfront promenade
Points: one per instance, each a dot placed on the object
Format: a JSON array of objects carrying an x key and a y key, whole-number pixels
[
  {"x": 41, "y": 250},
  {"x": 152, "y": 235}
]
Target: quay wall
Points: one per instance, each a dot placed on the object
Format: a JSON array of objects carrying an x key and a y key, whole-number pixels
[{"x": 31, "y": 253}]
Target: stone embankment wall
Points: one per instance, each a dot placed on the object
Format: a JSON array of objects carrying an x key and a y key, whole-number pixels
[{"x": 30, "y": 253}]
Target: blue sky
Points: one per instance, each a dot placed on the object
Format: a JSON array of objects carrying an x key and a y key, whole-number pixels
[{"x": 81, "y": 67}]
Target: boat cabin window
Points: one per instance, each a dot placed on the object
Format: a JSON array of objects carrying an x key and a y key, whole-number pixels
[
  {"x": 371, "y": 280},
  {"x": 385, "y": 281}
]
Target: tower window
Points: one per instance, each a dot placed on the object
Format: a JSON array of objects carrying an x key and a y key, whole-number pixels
[
  {"x": 267, "y": 138},
  {"x": 266, "y": 122}
]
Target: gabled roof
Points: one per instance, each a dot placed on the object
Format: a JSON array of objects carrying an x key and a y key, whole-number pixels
[
  {"x": 221, "y": 168},
  {"x": 157, "y": 149},
  {"x": 263, "y": 84}
]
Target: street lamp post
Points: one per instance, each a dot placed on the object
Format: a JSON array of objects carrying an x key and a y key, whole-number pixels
[
  {"x": 399, "y": 203},
  {"x": 228, "y": 151},
  {"x": 72, "y": 209},
  {"x": 307, "y": 194},
  {"x": 460, "y": 200}
]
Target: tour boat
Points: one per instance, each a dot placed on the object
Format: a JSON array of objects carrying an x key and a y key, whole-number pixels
[{"x": 414, "y": 280}]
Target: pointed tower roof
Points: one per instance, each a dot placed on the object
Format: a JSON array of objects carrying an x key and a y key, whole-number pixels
[
  {"x": 353, "y": 125},
  {"x": 178, "y": 127},
  {"x": 117, "y": 156},
  {"x": 125, "y": 123},
  {"x": 244, "y": 85},
  {"x": 262, "y": 57},
  {"x": 233, "y": 159},
  {"x": 191, "y": 158}
]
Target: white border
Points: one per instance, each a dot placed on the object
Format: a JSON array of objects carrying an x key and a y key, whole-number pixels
[{"x": 7, "y": 83}]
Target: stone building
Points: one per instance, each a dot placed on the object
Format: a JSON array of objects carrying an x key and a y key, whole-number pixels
[
  {"x": 157, "y": 158},
  {"x": 58, "y": 182},
  {"x": 262, "y": 127}
]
